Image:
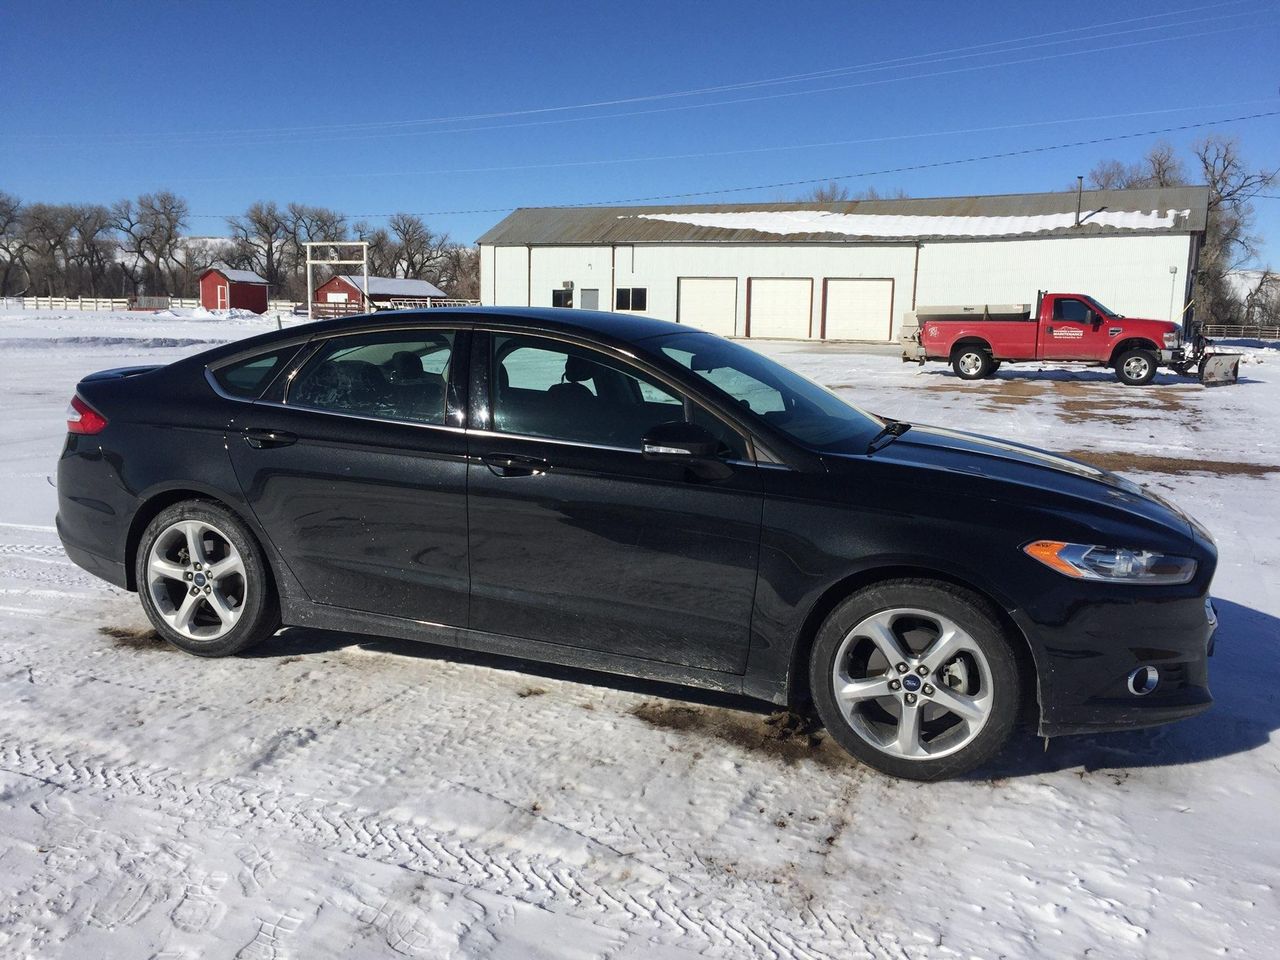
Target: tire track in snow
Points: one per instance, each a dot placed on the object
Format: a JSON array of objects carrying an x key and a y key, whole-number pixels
[{"x": 704, "y": 912}]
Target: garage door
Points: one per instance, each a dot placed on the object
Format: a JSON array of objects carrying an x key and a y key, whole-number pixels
[
  {"x": 858, "y": 310},
  {"x": 779, "y": 308},
  {"x": 708, "y": 303}
]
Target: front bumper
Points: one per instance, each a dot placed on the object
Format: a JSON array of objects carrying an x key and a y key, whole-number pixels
[{"x": 1084, "y": 685}]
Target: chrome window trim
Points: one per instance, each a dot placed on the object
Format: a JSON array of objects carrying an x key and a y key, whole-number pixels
[
  {"x": 360, "y": 416},
  {"x": 580, "y": 443}
]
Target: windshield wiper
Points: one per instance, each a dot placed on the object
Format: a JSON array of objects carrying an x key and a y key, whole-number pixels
[{"x": 888, "y": 433}]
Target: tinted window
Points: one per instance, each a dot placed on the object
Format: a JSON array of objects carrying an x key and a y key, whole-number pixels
[
  {"x": 562, "y": 298},
  {"x": 248, "y": 378},
  {"x": 395, "y": 376},
  {"x": 631, "y": 298},
  {"x": 798, "y": 407},
  {"x": 1073, "y": 311},
  {"x": 546, "y": 388}
]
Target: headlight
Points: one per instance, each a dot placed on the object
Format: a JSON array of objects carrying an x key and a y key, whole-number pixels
[
  {"x": 1112, "y": 564},
  {"x": 1173, "y": 340}
]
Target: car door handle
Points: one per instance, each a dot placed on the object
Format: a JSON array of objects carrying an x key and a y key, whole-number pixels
[
  {"x": 515, "y": 465},
  {"x": 260, "y": 438}
]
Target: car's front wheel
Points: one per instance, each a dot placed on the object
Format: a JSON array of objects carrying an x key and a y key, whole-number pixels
[
  {"x": 916, "y": 678},
  {"x": 1136, "y": 368},
  {"x": 203, "y": 580}
]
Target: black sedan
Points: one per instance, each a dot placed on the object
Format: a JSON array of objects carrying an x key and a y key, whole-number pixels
[{"x": 634, "y": 496}]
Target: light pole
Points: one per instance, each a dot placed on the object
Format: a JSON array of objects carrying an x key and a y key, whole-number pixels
[{"x": 1173, "y": 286}]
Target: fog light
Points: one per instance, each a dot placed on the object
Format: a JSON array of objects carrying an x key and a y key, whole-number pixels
[{"x": 1143, "y": 680}]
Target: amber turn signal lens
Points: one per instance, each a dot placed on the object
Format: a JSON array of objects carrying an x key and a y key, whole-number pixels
[{"x": 1047, "y": 552}]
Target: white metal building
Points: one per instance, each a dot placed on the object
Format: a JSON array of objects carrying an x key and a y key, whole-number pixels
[{"x": 849, "y": 270}]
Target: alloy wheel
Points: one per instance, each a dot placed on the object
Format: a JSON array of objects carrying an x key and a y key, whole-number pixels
[
  {"x": 912, "y": 683},
  {"x": 196, "y": 579}
]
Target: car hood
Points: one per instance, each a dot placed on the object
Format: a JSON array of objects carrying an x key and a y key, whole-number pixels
[{"x": 975, "y": 455}]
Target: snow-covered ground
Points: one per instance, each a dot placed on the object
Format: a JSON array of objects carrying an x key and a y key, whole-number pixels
[{"x": 331, "y": 795}]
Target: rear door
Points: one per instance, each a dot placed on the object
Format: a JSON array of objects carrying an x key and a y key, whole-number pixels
[
  {"x": 358, "y": 472},
  {"x": 576, "y": 539}
]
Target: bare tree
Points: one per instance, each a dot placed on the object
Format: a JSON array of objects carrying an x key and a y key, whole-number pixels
[
  {"x": 419, "y": 252},
  {"x": 835, "y": 192},
  {"x": 1161, "y": 167},
  {"x": 10, "y": 244},
  {"x": 459, "y": 275},
  {"x": 260, "y": 237},
  {"x": 151, "y": 236}
]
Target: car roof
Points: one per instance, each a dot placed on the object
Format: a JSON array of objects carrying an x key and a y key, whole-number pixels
[{"x": 619, "y": 326}]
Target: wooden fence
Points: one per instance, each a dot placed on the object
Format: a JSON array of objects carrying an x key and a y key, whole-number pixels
[{"x": 117, "y": 303}]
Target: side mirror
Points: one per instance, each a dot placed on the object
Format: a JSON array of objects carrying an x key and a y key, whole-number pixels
[{"x": 679, "y": 442}]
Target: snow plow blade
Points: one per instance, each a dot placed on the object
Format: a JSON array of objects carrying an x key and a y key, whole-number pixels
[{"x": 1217, "y": 369}]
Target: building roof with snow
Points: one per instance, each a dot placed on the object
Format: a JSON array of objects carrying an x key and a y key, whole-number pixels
[
  {"x": 395, "y": 287},
  {"x": 1157, "y": 210},
  {"x": 235, "y": 276}
]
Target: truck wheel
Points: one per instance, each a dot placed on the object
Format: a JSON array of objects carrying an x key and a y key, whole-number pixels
[
  {"x": 995, "y": 365},
  {"x": 971, "y": 363},
  {"x": 1136, "y": 368}
]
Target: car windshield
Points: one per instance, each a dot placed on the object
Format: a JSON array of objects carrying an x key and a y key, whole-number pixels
[{"x": 808, "y": 413}]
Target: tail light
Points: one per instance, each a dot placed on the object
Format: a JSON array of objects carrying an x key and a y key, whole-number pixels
[{"x": 82, "y": 418}]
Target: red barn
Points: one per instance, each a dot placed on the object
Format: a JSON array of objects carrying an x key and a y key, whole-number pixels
[
  {"x": 222, "y": 288},
  {"x": 344, "y": 294}
]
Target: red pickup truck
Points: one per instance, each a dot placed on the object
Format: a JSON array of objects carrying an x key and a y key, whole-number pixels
[{"x": 976, "y": 339}]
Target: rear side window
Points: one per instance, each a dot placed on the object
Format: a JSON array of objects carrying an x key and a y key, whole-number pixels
[
  {"x": 248, "y": 378},
  {"x": 389, "y": 376}
]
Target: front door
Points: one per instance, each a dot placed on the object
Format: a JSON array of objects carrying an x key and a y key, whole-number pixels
[
  {"x": 575, "y": 538},
  {"x": 1076, "y": 332},
  {"x": 358, "y": 474}
]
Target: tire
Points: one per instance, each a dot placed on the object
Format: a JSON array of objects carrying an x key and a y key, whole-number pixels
[
  {"x": 213, "y": 602},
  {"x": 979, "y": 674},
  {"x": 995, "y": 365},
  {"x": 972, "y": 362},
  {"x": 1136, "y": 368}
]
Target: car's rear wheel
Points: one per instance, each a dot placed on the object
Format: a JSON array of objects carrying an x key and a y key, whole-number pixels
[
  {"x": 972, "y": 363},
  {"x": 916, "y": 678},
  {"x": 203, "y": 580}
]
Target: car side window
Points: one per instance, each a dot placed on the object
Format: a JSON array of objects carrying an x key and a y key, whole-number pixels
[
  {"x": 248, "y": 378},
  {"x": 1072, "y": 311},
  {"x": 397, "y": 375},
  {"x": 548, "y": 388}
]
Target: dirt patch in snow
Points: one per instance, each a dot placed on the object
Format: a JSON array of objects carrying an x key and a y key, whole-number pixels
[
  {"x": 134, "y": 638},
  {"x": 786, "y": 736},
  {"x": 1152, "y": 463}
]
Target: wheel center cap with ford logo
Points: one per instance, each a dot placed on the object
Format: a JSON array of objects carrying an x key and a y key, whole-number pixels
[
  {"x": 199, "y": 579},
  {"x": 911, "y": 683}
]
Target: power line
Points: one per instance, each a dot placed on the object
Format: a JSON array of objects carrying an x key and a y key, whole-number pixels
[
  {"x": 287, "y": 135},
  {"x": 603, "y": 161},
  {"x": 910, "y": 168}
]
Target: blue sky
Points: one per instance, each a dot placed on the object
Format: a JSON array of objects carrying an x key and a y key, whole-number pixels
[{"x": 350, "y": 105}]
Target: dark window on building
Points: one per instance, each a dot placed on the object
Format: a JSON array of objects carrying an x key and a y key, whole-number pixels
[
  {"x": 562, "y": 298},
  {"x": 632, "y": 298}
]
